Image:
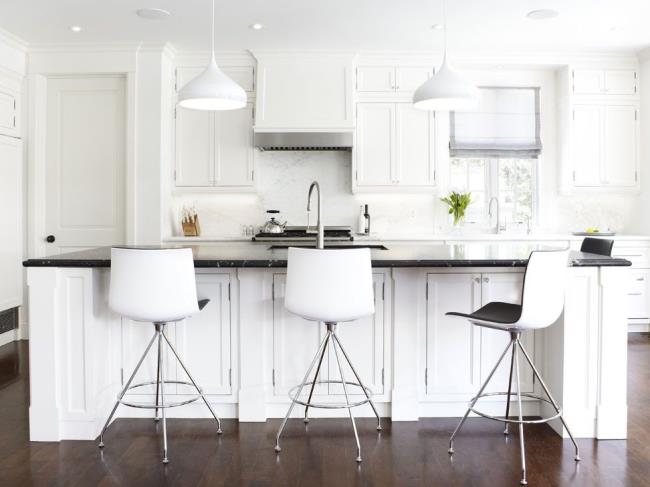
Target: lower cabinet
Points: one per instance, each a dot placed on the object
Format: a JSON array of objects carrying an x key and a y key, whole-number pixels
[
  {"x": 295, "y": 341},
  {"x": 460, "y": 356},
  {"x": 202, "y": 341}
]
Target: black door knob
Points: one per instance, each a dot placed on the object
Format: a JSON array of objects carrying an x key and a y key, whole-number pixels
[{"x": 50, "y": 238}]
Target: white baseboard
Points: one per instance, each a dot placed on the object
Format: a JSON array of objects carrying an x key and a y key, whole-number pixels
[{"x": 8, "y": 337}]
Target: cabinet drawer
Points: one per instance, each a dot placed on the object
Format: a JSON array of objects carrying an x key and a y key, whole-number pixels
[
  {"x": 639, "y": 256},
  {"x": 638, "y": 294}
]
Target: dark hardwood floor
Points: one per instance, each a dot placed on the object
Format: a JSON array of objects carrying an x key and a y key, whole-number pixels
[{"x": 405, "y": 454}]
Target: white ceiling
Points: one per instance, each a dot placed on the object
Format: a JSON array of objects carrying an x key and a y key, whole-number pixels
[{"x": 475, "y": 26}]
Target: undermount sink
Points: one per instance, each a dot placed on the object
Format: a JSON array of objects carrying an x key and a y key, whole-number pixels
[{"x": 330, "y": 246}]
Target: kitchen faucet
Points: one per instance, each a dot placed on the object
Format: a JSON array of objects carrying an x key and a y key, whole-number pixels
[
  {"x": 320, "y": 238},
  {"x": 498, "y": 225}
]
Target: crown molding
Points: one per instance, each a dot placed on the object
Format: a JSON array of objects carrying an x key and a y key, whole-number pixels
[
  {"x": 643, "y": 55},
  {"x": 12, "y": 40},
  {"x": 85, "y": 47}
]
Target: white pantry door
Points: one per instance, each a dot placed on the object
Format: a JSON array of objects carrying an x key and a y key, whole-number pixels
[{"x": 85, "y": 159}]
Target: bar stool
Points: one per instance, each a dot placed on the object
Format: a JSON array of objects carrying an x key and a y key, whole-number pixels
[
  {"x": 541, "y": 305},
  {"x": 329, "y": 286},
  {"x": 600, "y": 246},
  {"x": 159, "y": 287}
]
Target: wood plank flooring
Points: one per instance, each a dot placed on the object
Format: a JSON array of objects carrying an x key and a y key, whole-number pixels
[{"x": 404, "y": 454}]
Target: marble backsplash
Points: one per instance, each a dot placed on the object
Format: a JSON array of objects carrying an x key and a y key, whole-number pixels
[{"x": 283, "y": 180}]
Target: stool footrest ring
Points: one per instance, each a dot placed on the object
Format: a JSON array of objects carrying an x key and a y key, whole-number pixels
[
  {"x": 332, "y": 405},
  {"x": 515, "y": 421},
  {"x": 148, "y": 405}
]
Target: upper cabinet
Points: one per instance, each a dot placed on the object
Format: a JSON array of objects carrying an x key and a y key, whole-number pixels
[
  {"x": 390, "y": 79},
  {"x": 394, "y": 148},
  {"x": 604, "y": 81},
  {"x": 598, "y": 129},
  {"x": 9, "y": 106},
  {"x": 304, "y": 90},
  {"x": 214, "y": 150}
]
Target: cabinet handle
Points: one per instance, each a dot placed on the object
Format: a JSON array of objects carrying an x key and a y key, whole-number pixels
[
  {"x": 477, "y": 280},
  {"x": 396, "y": 87},
  {"x": 50, "y": 239},
  {"x": 641, "y": 279},
  {"x": 486, "y": 279}
]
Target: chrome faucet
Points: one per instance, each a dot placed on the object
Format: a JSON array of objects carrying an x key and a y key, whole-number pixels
[
  {"x": 320, "y": 236},
  {"x": 498, "y": 223}
]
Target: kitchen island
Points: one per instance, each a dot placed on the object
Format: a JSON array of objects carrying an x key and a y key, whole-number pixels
[{"x": 247, "y": 351}]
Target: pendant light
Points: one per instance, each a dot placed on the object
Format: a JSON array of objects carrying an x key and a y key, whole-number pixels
[
  {"x": 212, "y": 89},
  {"x": 447, "y": 89}
]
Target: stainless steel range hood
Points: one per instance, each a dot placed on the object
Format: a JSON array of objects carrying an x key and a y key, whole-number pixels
[{"x": 303, "y": 140}]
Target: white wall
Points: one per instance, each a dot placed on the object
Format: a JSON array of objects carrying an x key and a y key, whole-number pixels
[{"x": 284, "y": 177}]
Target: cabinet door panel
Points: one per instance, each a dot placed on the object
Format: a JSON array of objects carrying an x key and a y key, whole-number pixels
[
  {"x": 363, "y": 340},
  {"x": 204, "y": 339},
  {"x": 375, "y": 145},
  {"x": 194, "y": 148},
  {"x": 453, "y": 344},
  {"x": 234, "y": 147},
  {"x": 415, "y": 146},
  {"x": 8, "y": 113},
  {"x": 135, "y": 337},
  {"x": 376, "y": 78},
  {"x": 620, "y": 82},
  {"x": 409, "y": 78},
  {"x": 586, "y": 144},
  {"x": 295, "y": 342},
  {"x": 11, "y": 228},
  {"x": 588, "y": 81},
  {"x": 506, "y": 288},
  {"x": 638, "y": 294},
  {"x": 620, "y": 156}
]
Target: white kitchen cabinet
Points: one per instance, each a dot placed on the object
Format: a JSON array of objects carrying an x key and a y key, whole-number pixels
[
  {"x": 604, "y": 145},
  {"x": 295, "y": 342},
  {"x": 11, "y": 204},
  {"x": 459, "y": 356},
  {"x": 9, "y": 112},
  {"x": 394, "y": 148},
  {"x": 604, "y": 81},
  {"x": 391, "y": 79},
  {"x": 214, "y": 149},
  {"x": 204, "y": 340},
  {"x": 638, "y": 295}
]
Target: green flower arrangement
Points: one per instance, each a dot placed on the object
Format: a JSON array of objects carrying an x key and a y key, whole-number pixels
[{"x": 458, "y": 203}]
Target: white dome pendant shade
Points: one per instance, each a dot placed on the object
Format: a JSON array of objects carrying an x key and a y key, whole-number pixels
[
  {"x": 212, "y": 89},
  {"x": 446, "y": 90}
]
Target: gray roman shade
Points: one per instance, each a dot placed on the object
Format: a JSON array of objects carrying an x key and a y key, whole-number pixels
[{"x": 505, "y": 123}]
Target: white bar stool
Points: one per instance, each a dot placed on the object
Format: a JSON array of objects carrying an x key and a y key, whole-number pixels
[
  {"x": 541, "y": 305},
  {"x": 330, "y": 286},
  {"x": 155, "y": 286}
]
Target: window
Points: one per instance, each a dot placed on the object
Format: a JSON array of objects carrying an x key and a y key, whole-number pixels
[
  {"x": 512, "y": 181},
  {"x": 494, "y": 154}
]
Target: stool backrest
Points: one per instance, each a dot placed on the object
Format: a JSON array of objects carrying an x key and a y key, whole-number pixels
[
  {"x": 544, "y": 286},
  {"x": 600, "y": 246},
  {"x": 155, "y": 285},
  {"x": 329, "y": 285}
]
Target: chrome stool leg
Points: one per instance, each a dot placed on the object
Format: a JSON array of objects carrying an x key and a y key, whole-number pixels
[
  {"x": 322, "y": 346},
  {"x": 347, "y": 400},
  {"x": 156, "y": 418},
  {"x": 372, "y": 404},
  {"x": 512, "y": 364},
  {"x": 311, "y": 391},
  {"x": 476, "y": 398},
  {"x": 124, "y": 389},
  {"x": 555, "y": 404},
  {"x": 198, "y": 389},
  {"x": 523, "y": 480},
  {"x": 161, "y": 365}
]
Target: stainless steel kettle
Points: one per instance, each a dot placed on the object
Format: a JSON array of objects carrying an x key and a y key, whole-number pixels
[{"x": 273, "y": 226}]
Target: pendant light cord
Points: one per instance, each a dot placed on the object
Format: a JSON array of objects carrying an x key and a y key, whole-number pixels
[
  {"x": 212, "y": 43},
  {"x": 444, "y": 30}
]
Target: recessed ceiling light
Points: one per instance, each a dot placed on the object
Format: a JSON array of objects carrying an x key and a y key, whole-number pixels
[
  {"x": 616, "y": 28},
  {"x": 152, "y": 13},
  {"x": 542, "y": 14},
  {"x": 437, "y": 27},
  {"x": 75, "y": 28},
  {"x": 256, "y": 26}
]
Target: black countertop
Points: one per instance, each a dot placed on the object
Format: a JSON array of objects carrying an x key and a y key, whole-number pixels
[{"x": 397, "y": 255}]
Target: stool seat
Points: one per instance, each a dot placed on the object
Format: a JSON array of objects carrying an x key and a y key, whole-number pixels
[{"x": 494, "y": 315}]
